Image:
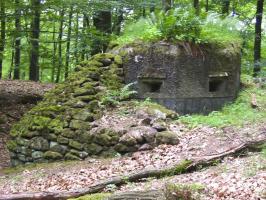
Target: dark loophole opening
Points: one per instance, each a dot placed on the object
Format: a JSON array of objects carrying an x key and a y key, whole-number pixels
[
  {"x": 216, "y": 85},
  {"x": 153, "y": 87}
]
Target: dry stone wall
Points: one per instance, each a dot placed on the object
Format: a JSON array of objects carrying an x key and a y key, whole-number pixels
[{"x": 58, "y": 127}]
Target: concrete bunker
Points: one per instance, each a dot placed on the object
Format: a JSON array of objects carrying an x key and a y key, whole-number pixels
[{"x": 184, "y": 77}]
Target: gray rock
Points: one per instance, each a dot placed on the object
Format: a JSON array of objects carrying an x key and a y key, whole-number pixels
[
  {"x": 62, "y": 140},
  {"x": 70, "y": 156},
  {"x": 76, "y": 145},
  {"x": 84, "y": 116},
  {"x": 121, "y": 148},
  {"x": 145, "y": 147},
  {"x": 50, "y": 155},
  {"x": 58, "y": 148},
  {"x": 23, "y": 142},
  {"x": 81, "y": 154},
  {"x": 37, "y": 154},
  {"x": 39, "y": 143},
  {"x": 167, "y": 137},
  {"x": 159, "y": 126},
  {"x": 106, "y": 62},
  {"x": 146, "y": 121},
  {"x": 16, "y": 162},
  {"x": 68, "y": 133},
  {"x": 93, "y": 149}
]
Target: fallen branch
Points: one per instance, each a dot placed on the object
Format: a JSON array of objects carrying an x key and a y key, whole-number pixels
[{"x": 185, "y": 166}]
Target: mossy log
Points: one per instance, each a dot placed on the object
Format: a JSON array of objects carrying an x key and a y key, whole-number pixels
[{"x": 179, "y": 168}]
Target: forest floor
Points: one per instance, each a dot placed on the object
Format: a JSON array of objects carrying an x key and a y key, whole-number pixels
[
  {"x": 242, "y": 177},
  {"x": 235, "y": 178},
  {"x": 16, "y": 98}
]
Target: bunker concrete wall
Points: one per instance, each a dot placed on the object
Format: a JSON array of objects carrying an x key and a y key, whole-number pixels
[{"x": 187, "y": 78}]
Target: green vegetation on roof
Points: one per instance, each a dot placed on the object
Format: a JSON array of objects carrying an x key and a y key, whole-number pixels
[{"x": 183, "y": 25}]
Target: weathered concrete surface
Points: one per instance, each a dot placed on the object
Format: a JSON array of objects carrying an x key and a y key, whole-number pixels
[{"x": 184, "y": 77}]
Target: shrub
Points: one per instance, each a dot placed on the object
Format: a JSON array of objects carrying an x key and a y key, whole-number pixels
[{"x": 183, "y": 25}]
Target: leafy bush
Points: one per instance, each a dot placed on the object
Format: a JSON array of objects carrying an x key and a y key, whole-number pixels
[
  {"x": 178, "y": 24},
  {"x": 215, "y": 28},
  {"x": 183, "y": 25},
  {"x": 143, "y": 29}
]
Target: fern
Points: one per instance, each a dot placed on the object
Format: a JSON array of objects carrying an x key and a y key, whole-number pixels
[{"x": 113, "y": 97}]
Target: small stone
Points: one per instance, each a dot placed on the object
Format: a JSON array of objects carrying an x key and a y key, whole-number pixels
[
  {"x": 77, "y": 124},
  {"x": 106, "y": 62},
  {"x": 25, "y": 151},
  {"x": 128, "y": 140},
  {"x": 159, "y": 126},
  {"x": 121, "y": 148},
  {"x": 84, "y": 116},
  {"x": 93, "y": 149},
  {"x": 79, "y": 104},
  {"x": 30, "y": 134},
  {"x": 68, "y": 133},
  {"x": 37, "y": 154},
  {"x": 52, "y": 137},
  {"x": 167, "y": 137},
  {"x": 148, "y": 133},
  {"x": 16, "y": 162},
  {"x": 22, "y": 157},
  {"x": 62, "y": 140},
  {"x": 52, "y": 155},
  {"x": 23, "y": 142},
  {"x": 81, "y": 154},
  {"x": 75, "y": 145},
  {"x": 41, "y": 160},
  {"x": 146, "y": 121},
  {"x": 84, "y": 92},
  {"x": 39, "y": 143},
  {"x": 87, "y": 98},
  {"x": 58, "y": 148},
  {"x": 145, "y": 147},
  {"x": 70, "y": 156}
]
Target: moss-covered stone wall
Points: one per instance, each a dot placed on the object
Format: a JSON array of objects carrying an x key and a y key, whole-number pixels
[{"x": 58, "y": 127}]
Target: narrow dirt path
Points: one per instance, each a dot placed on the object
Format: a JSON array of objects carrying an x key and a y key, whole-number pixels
[{"x": 16, "y": 98}]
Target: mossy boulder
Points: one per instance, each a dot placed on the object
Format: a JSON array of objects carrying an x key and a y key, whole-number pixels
[
  {"x": 39, "y": 143},
  {"x": 52, "y": 155},
  {"x": 167, "y": 137}
]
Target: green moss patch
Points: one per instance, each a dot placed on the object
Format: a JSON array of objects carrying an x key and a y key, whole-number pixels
[{"x": 99, "y": 196}]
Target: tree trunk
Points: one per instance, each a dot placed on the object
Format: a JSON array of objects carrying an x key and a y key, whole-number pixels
[
  {"x": 60, "y": 35},
  {"x": 68, "y": 41},
  {"x": 84, "y": 27},
  {"x": 207, "y": 6},
  {"x": 225, "y": 7},
  {"x": 17, "y": 40},
  {"x": 3, "y": 35},
  {"x": 54, "y": 54},
  {"x": 34, "y": 40},
  {"x": 102, "y": 20},
  {"x": 76, "y": 39},
  {"x": 196, "y": 5},
  {"x": 11, "y": 61},
  {"x": 257, "y": 42},
  {"x": 118, "y": 23},
  {"x": 166, "y": 5}
]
